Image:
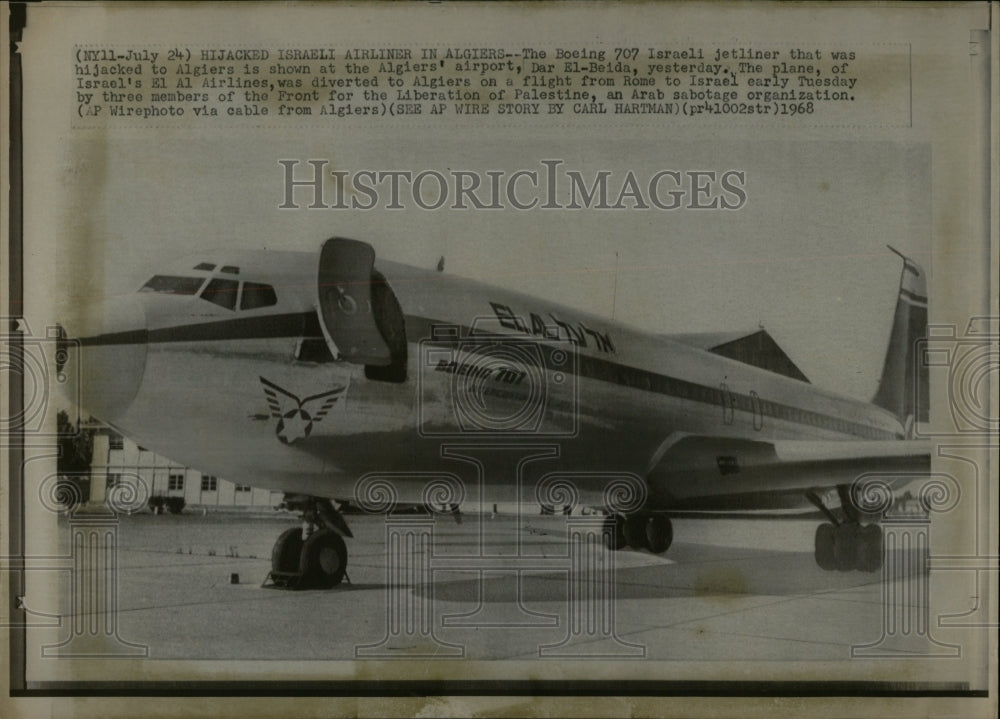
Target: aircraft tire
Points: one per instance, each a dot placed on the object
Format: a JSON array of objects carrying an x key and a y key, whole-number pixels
[
  {"x": 614, "y": 532},
  {"x": 870, "y": 547},
  {"x": 323, "y": 561},
  {"x": 659, "y": 533},
  {"x": 635, "y": 531},
  {"x": 286, "y": 551},
  {"x": 824, "y": 554},
  {"x": 846, "y": 541}
]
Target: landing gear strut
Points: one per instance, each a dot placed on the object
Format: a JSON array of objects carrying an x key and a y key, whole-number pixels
[
  {"x": 645, "y": 530},
  {"x": 846, "y": 545},
  {"x": 614, "y": 532},
  {"x": 313, "y": 556}
]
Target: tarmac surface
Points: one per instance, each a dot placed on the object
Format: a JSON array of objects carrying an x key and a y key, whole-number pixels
[{"x": 490, "y": 589}]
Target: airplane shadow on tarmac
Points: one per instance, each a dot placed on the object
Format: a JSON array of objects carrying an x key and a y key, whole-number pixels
[{"x": 691, "y": 570}]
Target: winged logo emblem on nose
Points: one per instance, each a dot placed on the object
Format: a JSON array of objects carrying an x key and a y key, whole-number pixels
[{"x": 295, "y": 416}]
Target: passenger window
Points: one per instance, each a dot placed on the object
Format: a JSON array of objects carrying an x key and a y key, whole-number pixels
[
  {"x": 221, "y": 292},
  {"x": 171, "y": 285},
  {"x": 256, "y": 295}
]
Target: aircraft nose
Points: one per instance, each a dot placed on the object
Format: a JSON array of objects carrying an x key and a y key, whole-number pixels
[{"x": 102, "y": 354}]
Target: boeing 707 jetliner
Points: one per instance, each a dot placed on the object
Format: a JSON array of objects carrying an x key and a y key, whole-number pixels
[{"x": 310, "y": 372}]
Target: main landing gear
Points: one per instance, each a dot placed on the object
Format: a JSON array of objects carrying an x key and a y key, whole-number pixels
[
  {"x": 846, "y": 545},
  {"x": 644, "y": 530},
  {"x": 313, "y": 556}
]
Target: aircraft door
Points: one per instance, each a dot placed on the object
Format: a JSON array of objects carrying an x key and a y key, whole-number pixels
[
  {"x": 728, "y": 404},
  {"x": 758, "y": 411},
  {"x": 360, "y": 315},
  {"x": 345, "y": 302}
]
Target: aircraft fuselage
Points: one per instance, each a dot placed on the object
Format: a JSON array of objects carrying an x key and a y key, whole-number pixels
[{"x": 255, "y": 395}]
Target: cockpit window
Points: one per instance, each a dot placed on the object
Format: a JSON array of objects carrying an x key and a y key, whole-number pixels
[
  {"x": 230, "y": 269},
  {"x": 256, "y": 295},
  {"x": 221, "y": 292},
  {"x": 205, "y": 266},
  {"x": 172, "y": 285}
]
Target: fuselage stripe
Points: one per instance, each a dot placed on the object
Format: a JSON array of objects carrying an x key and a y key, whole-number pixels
[{"x": 306, "y": 324}]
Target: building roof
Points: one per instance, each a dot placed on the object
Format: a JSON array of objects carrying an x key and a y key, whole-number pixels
[{"x": 756, "y": 348}]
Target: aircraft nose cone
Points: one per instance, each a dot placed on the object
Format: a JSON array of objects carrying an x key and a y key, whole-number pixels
[{"x": 103, "y": 355}]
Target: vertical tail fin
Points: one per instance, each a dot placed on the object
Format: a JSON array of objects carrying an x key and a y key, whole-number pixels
[{"x": 901, "y": 372}]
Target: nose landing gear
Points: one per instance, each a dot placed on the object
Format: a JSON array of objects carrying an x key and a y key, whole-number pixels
[
  {"x": 323, "y": 561},
  {"x": 313, "y": 556}
]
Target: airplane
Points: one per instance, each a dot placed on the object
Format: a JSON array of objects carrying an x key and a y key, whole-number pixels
[{"x": 312, "y": 373}]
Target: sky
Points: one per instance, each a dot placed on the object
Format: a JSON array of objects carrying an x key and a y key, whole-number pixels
[{"x": 805, "y": 256}]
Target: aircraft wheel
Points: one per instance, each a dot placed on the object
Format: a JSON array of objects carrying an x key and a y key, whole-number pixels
[
  {"x": 635, "y": 531},
  {"x": 286, "y": 551},
  {"x": 323, "y": 561},
  {"x": 659, "y": 533},
  {"x": 847, "y": 539},
  {"x": 870, "y": 543},
  {"x": 825, "y": 534},
  {"x": 614, "y": 532}
]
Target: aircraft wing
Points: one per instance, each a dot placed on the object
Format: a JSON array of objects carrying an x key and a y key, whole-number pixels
[{"x": 703, "y": 472}]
